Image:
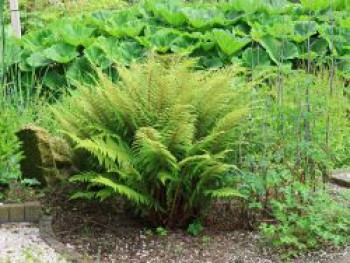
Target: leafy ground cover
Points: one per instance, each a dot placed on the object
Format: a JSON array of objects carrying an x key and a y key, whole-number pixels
[{"x": 238, "y": 32}]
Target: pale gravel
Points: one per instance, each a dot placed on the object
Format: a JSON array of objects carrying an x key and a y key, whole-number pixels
[{"x": 21, "y": 243}]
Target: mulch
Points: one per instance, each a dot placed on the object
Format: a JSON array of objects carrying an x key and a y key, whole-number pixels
[{"x": 102, "y": 232}]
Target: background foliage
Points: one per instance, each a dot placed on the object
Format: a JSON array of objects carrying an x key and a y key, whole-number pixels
[{"x": 265, "y": 33}]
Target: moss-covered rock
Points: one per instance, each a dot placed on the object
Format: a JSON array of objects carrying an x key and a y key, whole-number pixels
[{"x": 47, "y": 158}]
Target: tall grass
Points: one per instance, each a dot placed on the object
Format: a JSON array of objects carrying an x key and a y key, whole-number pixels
[{"x": 2, "y": 38}]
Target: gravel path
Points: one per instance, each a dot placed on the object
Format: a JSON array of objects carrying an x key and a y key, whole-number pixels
[{"x": 21, "y": 243}]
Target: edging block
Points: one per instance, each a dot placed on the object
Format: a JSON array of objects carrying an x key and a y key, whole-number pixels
[
  {"x": 32, "y": 212},
  {"x": 22, "y": 212},
  {"x": 16, "y": 212},
  {"x": 341, "y": 179},
  {"x": 47, "y": 234},
  {"x": 4, "y": 213}
]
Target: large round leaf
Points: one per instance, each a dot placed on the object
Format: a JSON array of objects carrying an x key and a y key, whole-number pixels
[
  {"x": 279, "y": 50},
  {"x": 38, "y": 59},
  {"x": 254, "y": 57},
  {"x": 74, "y": 33},
  {"x": 81, "y": 71},
  {"x": 97, "y": 57},
  {"x": 38, "y": 40},
  {"x": 124, "y": 23},
  {"x": 61, "y": 53},
  {"x": 172, "y": 14},
  {"x": 303, "y": 30},
  {"x": 228, "y": 43},
  {"x": 162, "y": 39},
  {"x": 199, "y": 18}
]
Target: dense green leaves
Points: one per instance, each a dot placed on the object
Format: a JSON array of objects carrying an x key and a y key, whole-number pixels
[
  {"x": 97, "y": 57},
  {"x": 254, "y": 57},
  {"x": 38, "y": 59},
  {"x": 228, "y": 42},
  {"x": 252, "y": 33},
  {"x": 161, "y": 137},
  {"x": 73, "y": 33},
  {"x": 124, "y": 24},
  {"x": 61, "y": 53},
  {"x": 279, "y": 50}
]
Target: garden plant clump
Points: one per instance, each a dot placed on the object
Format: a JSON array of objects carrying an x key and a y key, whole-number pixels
[
  {"x": 181, "y": 130},
  {"x": 158, "y": 138}
]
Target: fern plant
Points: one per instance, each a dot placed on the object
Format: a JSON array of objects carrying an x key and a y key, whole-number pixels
[{"x": 161, "y": 137}]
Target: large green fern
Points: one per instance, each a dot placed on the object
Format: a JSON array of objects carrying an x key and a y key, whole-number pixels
[{"x": 161, "y": 137}]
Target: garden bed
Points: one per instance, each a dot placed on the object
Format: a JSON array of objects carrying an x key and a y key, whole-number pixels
[{"x": 111, "y": 237}]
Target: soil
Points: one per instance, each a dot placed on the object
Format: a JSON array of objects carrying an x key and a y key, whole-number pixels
[
  {"x": 108, "y": 236},
  {"x": 17, "y": 193}
]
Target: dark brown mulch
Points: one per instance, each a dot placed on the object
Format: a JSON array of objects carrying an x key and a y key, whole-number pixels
[{"x": 104, "y": 233}]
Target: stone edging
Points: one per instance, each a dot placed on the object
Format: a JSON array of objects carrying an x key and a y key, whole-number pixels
[
  {"x": 341, "y": 171},
  {"x": 47, "y": 234},
  {"x": 341, "y": 177},
  {"x": 20, "y": 212}
]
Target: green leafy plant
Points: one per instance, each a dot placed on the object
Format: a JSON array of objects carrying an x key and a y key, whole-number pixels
[
  {"x": 10, "y": 154},
  {"x": 161, "y": 137},
  {"x": 307, "y": 220},
  {"x": 161, "y": 231},
  {"x": 283, "y": 171},
  {"x": 206, "y": 239},
  {"x": 266, "y": 33},
  {"x": 195, "y": 228}
]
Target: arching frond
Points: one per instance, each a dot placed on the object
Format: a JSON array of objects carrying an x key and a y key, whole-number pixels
[
  {"x": 161, "y": 135},
  {"x": 151, "y": 152},
  {"x": 128, "y": 192}
]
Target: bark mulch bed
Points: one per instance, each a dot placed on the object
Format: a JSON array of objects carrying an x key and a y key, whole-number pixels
[{"x": 108, "y": 236}]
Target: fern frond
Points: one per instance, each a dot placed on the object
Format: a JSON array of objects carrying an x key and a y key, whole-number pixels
[
  {"x": 194, "y": 159},
  {"x": 152, "y": 153},
  {"x": 230, "y": 120},
  {"x": 179, "y": 130},
  {"x": 83, "y": 195},
  {"x": 160, "y": 136},
  {"x": 112, "y": 155},
  {"x": 163, "y": 177},
  {"x": 226, "y": 192},
  {"x": 128, "y": 192},
  {"x": 217, "y": 170},
  {"x": 104, "y": 193},
  {"x": 83, "y": 177}
]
